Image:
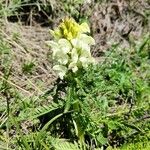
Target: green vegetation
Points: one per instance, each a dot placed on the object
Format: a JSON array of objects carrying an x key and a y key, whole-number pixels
[{"x": 105, "y": 106}]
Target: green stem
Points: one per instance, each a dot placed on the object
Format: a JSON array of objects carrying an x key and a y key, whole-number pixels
[
  {"x": 73, "y": 103},
  {"x": 70, "y": 96}
]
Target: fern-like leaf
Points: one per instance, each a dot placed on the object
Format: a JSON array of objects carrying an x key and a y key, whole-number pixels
[
  {"x": 42, "y": 110},
  {"x": 64, "y": 145},
  {"x": 33, "y": 113}
]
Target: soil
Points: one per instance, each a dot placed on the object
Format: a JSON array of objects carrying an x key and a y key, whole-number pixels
[{"x": 28, "y": 46}]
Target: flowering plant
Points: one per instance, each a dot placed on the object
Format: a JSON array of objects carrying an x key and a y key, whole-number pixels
[
  {"x": 71, "y": 54},
  {"x": 71, "y": 47}
]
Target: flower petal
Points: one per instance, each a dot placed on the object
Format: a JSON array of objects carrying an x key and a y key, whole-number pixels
[
  {"x": 56, "y": 33},
  {"x": 75, "y": 42},
  {"x": 73, "y": 66},
  {"x": 84, "y": 27},
  {"x": 75, "y": 69},
  {"x": 62, "y": 58},
  {"x": 87, "y": 39},
  {"x": 65, "y": 45},
  {"x": 61, "y": 70},
  {"x": 54, "y": 46},
  {"x": 74, "y": 55},
  {"x": 80, "y": 44},
  {"x": 84, "y": 61}
]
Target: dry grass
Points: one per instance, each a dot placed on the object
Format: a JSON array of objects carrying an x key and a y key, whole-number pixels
[
  {"x": 119, "y": 21},
  {"x": 28, "y": 46}
]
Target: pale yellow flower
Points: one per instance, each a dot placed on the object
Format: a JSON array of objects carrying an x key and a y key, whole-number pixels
[
  {"x": 60, "y": 70},
  {"x": 73, "y": 60},
  {"x": 71, "y": 48},
  {"x": 82, "y": 46},
  {"x": 60, "y": 50}
]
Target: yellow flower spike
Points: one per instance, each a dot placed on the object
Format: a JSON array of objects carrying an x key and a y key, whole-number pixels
[
  {"x": 56, "y": 33},
  {"x": 70, "y": 29},
  {"x": 65, "y": 33},
  {"x": 71, "y": 47},
  {"x": 69, "y": 36}
]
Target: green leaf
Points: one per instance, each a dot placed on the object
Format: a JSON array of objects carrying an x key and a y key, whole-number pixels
[
  {"x": 101, "y": 139},
  {"x": 64, "y": 145}
]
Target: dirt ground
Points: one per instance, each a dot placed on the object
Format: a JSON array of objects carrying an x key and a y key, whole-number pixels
[{"x": 28, "y": 46}]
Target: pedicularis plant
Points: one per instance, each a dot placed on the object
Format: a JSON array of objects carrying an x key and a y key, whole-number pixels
[
  {"x": 94, "y": 105},
  {"x": 71, "y": 55}
]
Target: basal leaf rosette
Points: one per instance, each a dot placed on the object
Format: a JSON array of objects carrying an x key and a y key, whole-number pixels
[{"x": 71, "y": 47}]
